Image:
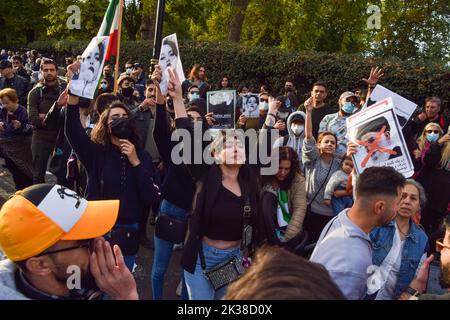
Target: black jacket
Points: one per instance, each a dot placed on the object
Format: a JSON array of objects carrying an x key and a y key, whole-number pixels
[
  {"x": 21, "y": 85},
  {"x": 209, "y": 179}
]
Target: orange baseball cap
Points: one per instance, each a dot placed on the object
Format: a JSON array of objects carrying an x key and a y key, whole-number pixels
[{"x": 39, "y": 216}]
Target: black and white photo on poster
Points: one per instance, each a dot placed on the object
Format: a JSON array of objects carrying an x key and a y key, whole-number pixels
[
  {"x": 169, "y": 57},
  {"x": 250, "y": 103},
  {"x": 222, "y": 104},
  {"x": 85, "y": 82},
  {"x": 380, "y": 140},
  {"x": 403, "y": 108}
]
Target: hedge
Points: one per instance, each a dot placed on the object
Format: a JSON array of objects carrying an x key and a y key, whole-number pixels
[{"x": 415, "y": 80}]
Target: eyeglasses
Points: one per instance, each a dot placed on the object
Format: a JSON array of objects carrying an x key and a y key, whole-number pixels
[
  {"x": 432, "y": 131},
  {"x": 88, "y": 245},
  {"x": 118, "y": 116},
  {"x": 440, "y": 245}
]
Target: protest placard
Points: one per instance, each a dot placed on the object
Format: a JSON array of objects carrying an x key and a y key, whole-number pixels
[
  {"x": 85, "y": 82},
  {"x": 380, "y": 139},
  {"x": 222, "y": 104},
  {"x": 169, "y": 58},
  {"x": 403, "y": 107}
]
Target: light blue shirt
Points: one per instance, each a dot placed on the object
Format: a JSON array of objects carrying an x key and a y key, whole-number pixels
[{"x": 346, "y": 252}]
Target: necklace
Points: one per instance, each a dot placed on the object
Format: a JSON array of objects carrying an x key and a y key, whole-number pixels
[{"x": 400, "y": 230}]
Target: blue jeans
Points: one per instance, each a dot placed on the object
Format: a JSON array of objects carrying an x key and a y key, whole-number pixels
[
  {"x": 339, "y": 204},
  {"x": 198, "y": 286},
  {"x": 129, "y": 260},
  {"x": 163, "y": 250}
]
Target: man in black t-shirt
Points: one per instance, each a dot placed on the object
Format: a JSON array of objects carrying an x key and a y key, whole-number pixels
[{"x": 321, "y": 109}]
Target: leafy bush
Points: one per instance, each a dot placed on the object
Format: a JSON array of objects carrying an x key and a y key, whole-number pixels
[{"x": 415, "y": 80}]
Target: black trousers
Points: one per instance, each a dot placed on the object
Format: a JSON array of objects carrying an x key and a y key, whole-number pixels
[
  {"x": 314, "y": 224},
  {"x": 41, "y": 151},
  {"x": 21, "y": 180}
]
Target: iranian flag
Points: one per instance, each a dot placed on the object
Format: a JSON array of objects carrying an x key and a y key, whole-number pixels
[{"x": 110, "y": 27}]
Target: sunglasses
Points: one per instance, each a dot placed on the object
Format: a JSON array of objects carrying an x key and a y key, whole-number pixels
[
  {"x": 440, "y": 245},
  {"x": 432, "y": 131},
  {"x": 88, "y": 245}
]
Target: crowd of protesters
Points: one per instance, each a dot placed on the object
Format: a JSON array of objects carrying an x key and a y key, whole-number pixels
[{"x": 311, "y": 230}]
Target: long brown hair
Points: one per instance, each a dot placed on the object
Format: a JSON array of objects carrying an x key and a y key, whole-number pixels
[
  {"x": 285, "y": 153},
  {"x": 193, "y": 75},
  {"x": 101, "y": 134}
]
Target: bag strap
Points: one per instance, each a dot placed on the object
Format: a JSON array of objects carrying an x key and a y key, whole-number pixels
[
  {"x": 246, "y": 213},
  {"x": 323, "y": 183}
]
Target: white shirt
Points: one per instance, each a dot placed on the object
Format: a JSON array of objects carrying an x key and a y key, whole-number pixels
[{"x": 391, "y": 267}]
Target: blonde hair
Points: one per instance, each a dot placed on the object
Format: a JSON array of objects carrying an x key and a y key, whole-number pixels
[
  {"x": 10, "y": 94},
  {"x": 422, "y": 141}
]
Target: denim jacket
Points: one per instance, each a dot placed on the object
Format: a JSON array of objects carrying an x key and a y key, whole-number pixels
[{"x": 415, "y": 245}]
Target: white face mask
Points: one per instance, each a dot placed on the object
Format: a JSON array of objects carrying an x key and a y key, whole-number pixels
[
  {"x": 263, "y": 106},
  {"x": 297, "y": 129}
]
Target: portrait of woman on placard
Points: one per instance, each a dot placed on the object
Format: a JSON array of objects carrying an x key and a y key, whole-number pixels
[
  {"x": 86, "y": 80},
  {"x": 168, "y": 58}
]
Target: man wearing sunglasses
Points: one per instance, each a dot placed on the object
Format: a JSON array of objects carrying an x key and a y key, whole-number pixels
[
  {"x": 419, "y": 284},
  {"x": 52, "y": 238}
]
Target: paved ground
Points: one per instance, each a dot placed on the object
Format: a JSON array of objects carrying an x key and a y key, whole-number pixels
[{"x": 144, "y": 259}]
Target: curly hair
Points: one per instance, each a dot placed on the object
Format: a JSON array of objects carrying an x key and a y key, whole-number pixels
[{"x": 101, "y": 134}]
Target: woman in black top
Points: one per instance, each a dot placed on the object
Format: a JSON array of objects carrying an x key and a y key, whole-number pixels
[{"x": 217, "y": 223}]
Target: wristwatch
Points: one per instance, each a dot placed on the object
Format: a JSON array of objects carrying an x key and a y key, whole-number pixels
[{"x": 413, "y": 292}]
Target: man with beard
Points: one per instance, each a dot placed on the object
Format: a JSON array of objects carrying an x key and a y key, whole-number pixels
[
  {"x": 40, "y": 100},
  {"x": 344, "y": 247},
  {"x": 419, "y": 284},
  {"x": 336, "y": 122},
  {"x": 52, "y": 238}
]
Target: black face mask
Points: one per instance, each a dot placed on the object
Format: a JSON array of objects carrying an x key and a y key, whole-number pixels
[
  {"x": 121, "y": 128},
  {"x": 84, "y": 103},
  {"x": 127, "y": 92}
]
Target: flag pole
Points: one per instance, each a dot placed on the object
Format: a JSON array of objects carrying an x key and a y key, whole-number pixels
[{"x": 116, "y": 69}]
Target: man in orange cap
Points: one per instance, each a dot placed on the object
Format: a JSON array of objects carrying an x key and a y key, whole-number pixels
[{"x": 53, "y": 241}]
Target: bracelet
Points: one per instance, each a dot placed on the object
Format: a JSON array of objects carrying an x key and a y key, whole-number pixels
[{"x": 413, "y": 292}]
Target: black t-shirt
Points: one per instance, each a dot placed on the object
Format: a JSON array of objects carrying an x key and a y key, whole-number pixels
[
  {"x": 317, "y": 115},
  {"x": 227, "y": 217}
]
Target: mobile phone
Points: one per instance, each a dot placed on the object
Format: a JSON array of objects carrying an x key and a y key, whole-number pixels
[{"x": 12, "y": 117}]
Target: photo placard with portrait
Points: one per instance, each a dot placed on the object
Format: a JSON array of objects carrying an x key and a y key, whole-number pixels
[
  {"x": 403, "y": 108},
  {"x": 380, "y": 140},
  {"x": 169, "y": 57},
  {"x": 250, "y": 104},
  {"x": 222, "y": 104},
  {"x": 85, "y": 82}
]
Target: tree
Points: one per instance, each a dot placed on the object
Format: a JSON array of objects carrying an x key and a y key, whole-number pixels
[
  {"x": 237, "y": 20},
  {"x": 132, "y": 18}
]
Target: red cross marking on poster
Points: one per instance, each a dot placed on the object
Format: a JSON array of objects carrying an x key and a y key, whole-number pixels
[{"x": 374, "y": 147}]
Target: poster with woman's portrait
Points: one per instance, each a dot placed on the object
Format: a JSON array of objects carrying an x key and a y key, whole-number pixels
[
  {"x": 222, "y": 104},
  {"x": 403, "y": 108},
  {"x": 250, "y": 103},
  {"x": 85, "y": 82},
  {"x": 380, "y": 140},
  {"x": 169, "y": 57}
]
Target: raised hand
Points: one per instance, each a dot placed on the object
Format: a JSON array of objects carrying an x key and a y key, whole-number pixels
[
  {"x": 129, "y": 150},
  {"x": 375, "y": 74},
  {"x": 174, "y": 85},
  {"x": 309, "y": 104}
]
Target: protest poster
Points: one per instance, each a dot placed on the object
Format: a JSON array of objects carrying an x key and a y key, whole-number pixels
[
  {"x": 222, "y": 104},
  {"x": 169, "y": 58},
  {"x": 85, "y": 82},
  {"x": 380, "y": 140},
  {"x": 250, "y": 109},
  {"x": 403, "y": 108}
]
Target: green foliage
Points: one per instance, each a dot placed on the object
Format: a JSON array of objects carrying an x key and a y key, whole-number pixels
[{"x": 414, "y": 79}]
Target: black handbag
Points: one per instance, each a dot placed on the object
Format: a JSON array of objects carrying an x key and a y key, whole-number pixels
[
  {"x": 308, "y": 207},
  {"x": 170, "y": 229},
  {"x": 126, "y": 238},
  {"x": 225, "y": 272}
]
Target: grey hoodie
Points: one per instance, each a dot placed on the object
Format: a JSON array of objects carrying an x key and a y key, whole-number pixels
[
  {"x": 8, "y": 289},
  {"x": 294, "y": 141}
]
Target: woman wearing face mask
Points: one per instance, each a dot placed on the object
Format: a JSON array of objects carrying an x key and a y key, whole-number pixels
[
  {"x": 283, "y": 200},
  {"x": 320, "y": 162},
  {"x": 433, "y": 172},
  {"x": 127, "y": 94},
  {"x": 104, "y": 87},
  {"x": 295, "y": 136},
  {"x": 117, "y": 168}
]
